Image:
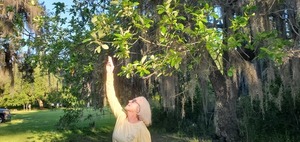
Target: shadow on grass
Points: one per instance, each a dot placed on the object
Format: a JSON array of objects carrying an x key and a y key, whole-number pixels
[
  {"x": 76, "y": 135},
  {"x": 160, "y": 135}
]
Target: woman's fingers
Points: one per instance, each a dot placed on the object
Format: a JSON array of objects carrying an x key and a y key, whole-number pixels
[
  {"x": 110, "y": 60},
  {"x": 110, "y": 64}
]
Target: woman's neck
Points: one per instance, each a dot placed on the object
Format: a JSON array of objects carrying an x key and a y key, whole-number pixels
[{"x": 132, "y": 117}]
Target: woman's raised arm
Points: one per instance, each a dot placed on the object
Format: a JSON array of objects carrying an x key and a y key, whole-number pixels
[{"x": 110, "y": 90}]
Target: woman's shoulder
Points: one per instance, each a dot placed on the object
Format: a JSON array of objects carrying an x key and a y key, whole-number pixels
[{"x": 142, "y": 125}]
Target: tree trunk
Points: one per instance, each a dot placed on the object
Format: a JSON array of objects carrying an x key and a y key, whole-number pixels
[
  {"x": 226, "y": 124},
  {"x": 226, "y": 94},
  {"x": 9, "y": 63},
  {"x": 41, "y": 103},
  {"x": 297, "y": 9}
]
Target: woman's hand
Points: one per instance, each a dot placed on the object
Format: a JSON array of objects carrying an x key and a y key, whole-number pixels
[{"x": 109, "y": 65}]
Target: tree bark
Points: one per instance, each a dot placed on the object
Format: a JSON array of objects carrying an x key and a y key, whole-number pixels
[
  {"x": 226, "y": 124},
  {"x": 41, "y": 103}
]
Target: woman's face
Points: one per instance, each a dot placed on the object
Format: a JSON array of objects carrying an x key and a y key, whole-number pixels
[{"x": 133, "y": 106}]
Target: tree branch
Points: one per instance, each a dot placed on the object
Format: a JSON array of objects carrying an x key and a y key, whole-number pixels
[{"x": 148, "y": 76}]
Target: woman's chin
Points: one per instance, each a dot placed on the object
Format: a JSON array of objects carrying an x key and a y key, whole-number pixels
[{"x": 126, "y": 107}]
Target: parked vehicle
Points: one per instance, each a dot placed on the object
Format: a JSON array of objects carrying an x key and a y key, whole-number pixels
[{"x": 4, "y": 115}]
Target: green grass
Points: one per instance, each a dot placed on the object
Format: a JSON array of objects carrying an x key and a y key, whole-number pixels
[{"x": 39, "y": 126}]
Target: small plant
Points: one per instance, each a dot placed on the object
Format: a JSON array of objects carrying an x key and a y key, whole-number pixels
[{"x": 70, "y": 118}]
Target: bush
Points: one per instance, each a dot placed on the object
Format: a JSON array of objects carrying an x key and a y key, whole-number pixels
[
  {"x": 274, "y": 124},
  {"x": 70, "y": 118}
]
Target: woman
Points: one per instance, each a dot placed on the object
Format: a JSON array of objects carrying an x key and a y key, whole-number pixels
[{"x": 132, "y": 122}]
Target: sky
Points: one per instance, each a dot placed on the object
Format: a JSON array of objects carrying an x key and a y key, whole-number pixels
[{"x": 49, "y": 4}]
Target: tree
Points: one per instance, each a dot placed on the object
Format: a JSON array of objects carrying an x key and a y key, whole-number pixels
[
  {"x": 60, "y": 50},
  {"x": 26, "y": 93},
  {"x": 18, "y": 18},
  {"x": 180, "y": 33}
]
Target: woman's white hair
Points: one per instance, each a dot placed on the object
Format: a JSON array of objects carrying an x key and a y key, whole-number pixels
[{"x": 145, "y": 110}]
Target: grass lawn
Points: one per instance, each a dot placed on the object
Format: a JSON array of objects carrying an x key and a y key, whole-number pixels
[{"x": 39, "y": 126}]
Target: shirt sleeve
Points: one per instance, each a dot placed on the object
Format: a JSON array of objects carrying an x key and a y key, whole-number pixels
[{"x": 113, "y": 101}]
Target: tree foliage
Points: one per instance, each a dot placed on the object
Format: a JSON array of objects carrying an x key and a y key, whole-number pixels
[
  {"x": 30, "y": 93},
  {"x": 18, "y": 18}
]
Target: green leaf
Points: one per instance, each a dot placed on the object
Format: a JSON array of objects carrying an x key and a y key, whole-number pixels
[
  {"x": 180, "y": 26},
  {"x": 163, "y": 30},
  {"x": 98, "y": 49},
  {"x": 201, "y": 25},
  {"x": 162, "y": 39},
  {"x": 135, "y": 4},
  {"x": 230, "y": 71},
  {"x": 94, "y": 35},
  {"x": 181, "y": 18},
  {"x": 94, "y": 19},
  {"x": 160, "y": 9},
  {"x": 206, "y": 5},
  {"x": 175, "y": 13},
  {"x": 114, "y": 2},
  {"x": 86, "y": 40},
  {"x": 141, "y": 19},
  {"x": 104, "y": 46},
  {"x": 127, "y": 75},
  {"x": 100, "y": 34},
  {"x": 143, "y": 59},
  {"x": 147, "y": 25}
]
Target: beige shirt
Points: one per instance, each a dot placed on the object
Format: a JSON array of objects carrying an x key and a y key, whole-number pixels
[{"x": 124, "y": 131}]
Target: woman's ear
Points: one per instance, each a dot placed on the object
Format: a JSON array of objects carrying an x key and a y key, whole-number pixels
[{"x": 138, "y": 109}]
